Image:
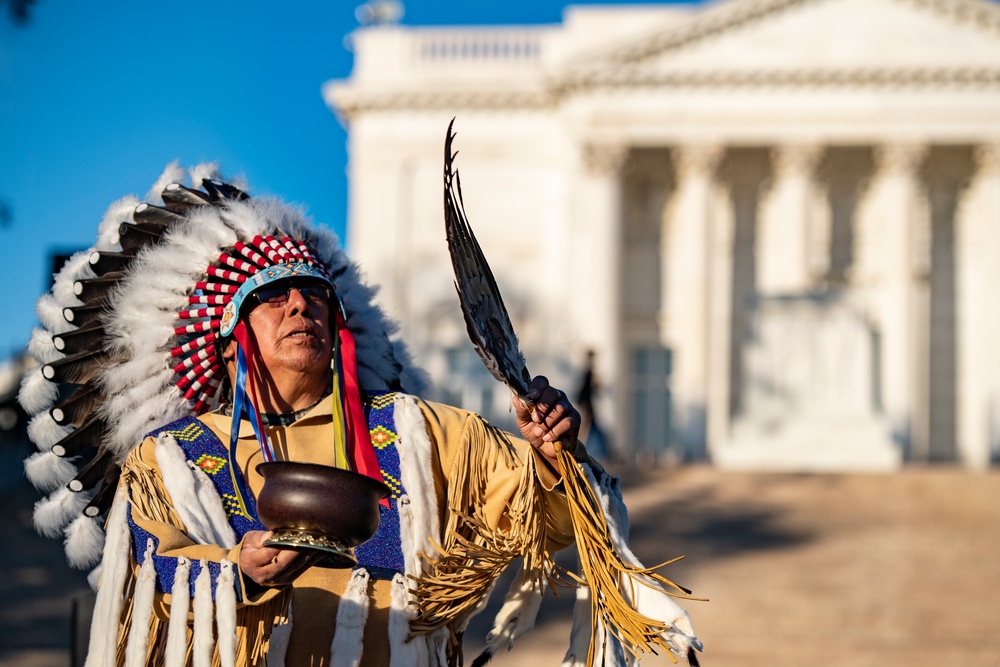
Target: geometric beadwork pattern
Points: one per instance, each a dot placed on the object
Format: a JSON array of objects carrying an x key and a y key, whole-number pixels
[
  {"x": 231, "y": 504},
  {"x": 210, "y": 464},
  {"x": 394, "y": 484},
  {"x": 188, "y": 433},
  {"x": 384, "y": 550},
  {"x": 382, "y": 437},
  {"x": 203, "y": 448},
  {"x": 382, "y": 401}
]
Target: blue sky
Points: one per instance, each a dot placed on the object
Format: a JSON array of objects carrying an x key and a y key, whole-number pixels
[{"x": 96, "y": 97}]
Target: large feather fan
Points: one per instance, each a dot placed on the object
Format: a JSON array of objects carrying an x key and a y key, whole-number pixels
[{"x": 486, "y": 316}]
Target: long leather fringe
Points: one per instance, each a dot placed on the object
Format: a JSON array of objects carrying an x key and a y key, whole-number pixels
[
  {"x": 606, "y": 574},
  {"x": 474, "y": 554}
]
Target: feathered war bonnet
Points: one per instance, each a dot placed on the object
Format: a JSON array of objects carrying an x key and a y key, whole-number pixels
[{"x": 126, "y": 342}]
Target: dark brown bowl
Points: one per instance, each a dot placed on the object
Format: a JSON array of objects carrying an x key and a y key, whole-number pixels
[{"x": 313, "y": 506}]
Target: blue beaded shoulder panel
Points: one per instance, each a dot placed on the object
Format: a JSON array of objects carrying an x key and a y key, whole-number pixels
[{"x": 382, "y": 555}]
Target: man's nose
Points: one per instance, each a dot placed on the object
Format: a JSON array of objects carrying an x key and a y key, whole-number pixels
[{"x": 296, "y": 302}]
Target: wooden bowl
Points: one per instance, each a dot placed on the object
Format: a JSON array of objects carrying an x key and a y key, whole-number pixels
[{"x": 319, "y": 507}]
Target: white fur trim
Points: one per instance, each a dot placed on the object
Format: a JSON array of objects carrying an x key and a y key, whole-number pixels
[
  {"x": 94, "y": 576},
  {"x": 48, "y": 472},
  {"x": 203, "y": 639},
  {"x": 403, "y": 653},
  {"x": 180, "y": 484},
  {"x": 215, "y": 513},
  {"x": 180, "y": 602},
  {"x": 53, "y": 514},
  {"x": 115, "y": 567},
  {"x": 142, "y": 610},
  {"x": 225, "y": 614},
  {"x": 649, "y": 600},
  {"x": 84, "y": 539},
  {"x": 518, "y": 614},
  {"x": 280, "y": 635},
  {"x": 579, "y": 636},
  {"x": 36, "y": 392},
  {"x": 352, "y": 613},
  {"x": 419, "y": 523}
]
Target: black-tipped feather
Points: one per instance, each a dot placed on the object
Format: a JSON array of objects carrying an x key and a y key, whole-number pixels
[
  {"x": 486, "y": 317},
  {"x": 103, "y": 262},
  {"x": 692, "y": 658},
  {"x": 134, "y": 238},
  {"x": 80, "y": 340},
  {"x": 219, "y": 190},
  {"x": 93, "y": 472},
  {"x": 84, "y": 316},
  {"x": 482, "y": 659},
  {"x": 88, "y": 435},
  {"x": 78, "y": 409},
  {"x": 157, "y": 217},
  {"x": 97, "y": 290},
  {"x": 76, "y": 369},
  {"x": 101, "y": 502},
  {"x": 179, "y": 198}
]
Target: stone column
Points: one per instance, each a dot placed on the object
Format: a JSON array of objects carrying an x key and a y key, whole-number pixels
[
  {"x": 977, "y": 249},
  {"x": 720, "y": 313},
  {"x": 598, "y": 232},
  {"x": 902, "y": 219},
  {"x": 784, "y": 237},
  {"x": 684, "y": 261}
]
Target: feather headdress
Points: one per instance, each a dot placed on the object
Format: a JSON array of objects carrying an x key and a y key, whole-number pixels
[{"x": 126, "y": 342}]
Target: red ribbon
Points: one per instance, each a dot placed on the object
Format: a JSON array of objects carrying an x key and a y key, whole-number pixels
[{"x": 362, "y": 452}]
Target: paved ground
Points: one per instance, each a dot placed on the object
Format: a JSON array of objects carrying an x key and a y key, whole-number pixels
[{"x": 853, "y": 571}]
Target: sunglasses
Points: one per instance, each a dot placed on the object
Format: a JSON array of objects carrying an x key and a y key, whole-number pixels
[{"x": 277, "y": 295}]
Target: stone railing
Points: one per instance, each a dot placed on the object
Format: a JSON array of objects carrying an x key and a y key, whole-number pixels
[{"x": 476, "y": 47}]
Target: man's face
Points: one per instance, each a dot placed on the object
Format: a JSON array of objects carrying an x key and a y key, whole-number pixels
[{"x": 290, "y": 321}]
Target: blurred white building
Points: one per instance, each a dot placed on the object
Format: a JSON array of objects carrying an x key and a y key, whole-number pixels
[{"x": 776, "y": 221}]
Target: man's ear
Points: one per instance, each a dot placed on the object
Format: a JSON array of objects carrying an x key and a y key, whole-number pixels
[{"x": 228, "y": 350}]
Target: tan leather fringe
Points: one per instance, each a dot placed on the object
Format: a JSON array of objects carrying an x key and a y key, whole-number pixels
[
  {"x": 253, "y": 623},
  {"x": 605, "y": 572},
  {"x": 474, "y": 554}
]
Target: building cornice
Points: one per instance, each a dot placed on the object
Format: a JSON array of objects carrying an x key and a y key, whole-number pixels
[
  {"x": 889, "y": 79},
  {"x": 733, "y": 14},
  {"x": 348, "y": 101}
]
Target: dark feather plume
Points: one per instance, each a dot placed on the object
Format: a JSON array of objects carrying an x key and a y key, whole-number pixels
[
  {"x": 78, "y": 408},
  {"x": 93, "y": 472},
  {"x": 179, "y": 198},
  {"x": 94, "y": 290},
  {"x": 486, "y": 316},
  {"x": 151, "y": 216},
  {"x": 104, "y": 261},
  {"x": 88, "y": 435},
  {"x": 105, "y": 495},
  {"x": 136, "y": 237},
  {"x": 80, "y": 340},
  {"x": 77, "y": 369}
]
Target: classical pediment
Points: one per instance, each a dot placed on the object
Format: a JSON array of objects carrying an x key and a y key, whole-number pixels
[{"x": 831, "y": 41}]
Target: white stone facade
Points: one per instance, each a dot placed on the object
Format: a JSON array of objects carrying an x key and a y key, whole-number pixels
[{"x": 776, "y": 221}]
